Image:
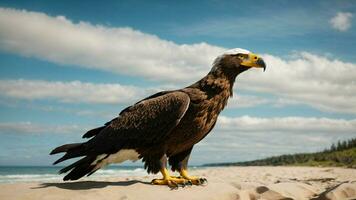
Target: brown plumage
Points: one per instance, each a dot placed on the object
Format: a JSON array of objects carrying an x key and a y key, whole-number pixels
[{"x": 163, "y": 127}]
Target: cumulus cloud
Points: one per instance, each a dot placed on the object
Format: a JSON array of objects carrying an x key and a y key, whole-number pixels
[
  {"x": 341, "y": 21},
  {"x": 92, "y": 93},
  {"x": 248, "y": 138},
  {"x": 119, "y": 50},
  {"x": 323, "y": 83},
  {"x": 244, "y": 124},
  {"x": 33, "y": 128},
  {"x": 287, "y": 124},
  {"x": 71, "y": 92}
]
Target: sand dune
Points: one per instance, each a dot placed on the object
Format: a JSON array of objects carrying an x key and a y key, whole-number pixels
[{"x": 224, "y": 183}]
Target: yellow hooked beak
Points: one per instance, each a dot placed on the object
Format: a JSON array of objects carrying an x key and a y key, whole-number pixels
[{"x": 254, "y": 60}]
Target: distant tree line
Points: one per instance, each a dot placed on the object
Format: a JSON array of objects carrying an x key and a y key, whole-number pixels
[
  {"x": 343, "y": 153},
  {"x": 347, "y": 144}
]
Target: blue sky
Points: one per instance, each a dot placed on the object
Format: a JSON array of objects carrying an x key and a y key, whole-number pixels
[{"x": 66, "y": 67}]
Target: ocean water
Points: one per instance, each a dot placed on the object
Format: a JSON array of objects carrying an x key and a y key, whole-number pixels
[{"x": 13, "y": 174}]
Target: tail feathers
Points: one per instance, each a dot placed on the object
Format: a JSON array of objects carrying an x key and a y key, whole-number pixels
[
  {"x": 93, "y": 132},
  {"x": 71, "y": 166},
  {"x": 64, "y": 148},
  {"x": 66, "y": 157},
  {"x": 72, "y": 151},
  {"x": 80, "y": 168}
]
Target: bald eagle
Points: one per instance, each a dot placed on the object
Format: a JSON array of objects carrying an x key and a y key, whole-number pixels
[{"x": 163, "y": 127}]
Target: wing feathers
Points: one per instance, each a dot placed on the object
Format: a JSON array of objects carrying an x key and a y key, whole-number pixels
[{"x": 144, "y": 123}]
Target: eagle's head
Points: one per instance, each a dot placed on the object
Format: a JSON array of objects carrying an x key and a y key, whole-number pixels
[{"x": 237, "y": 60}]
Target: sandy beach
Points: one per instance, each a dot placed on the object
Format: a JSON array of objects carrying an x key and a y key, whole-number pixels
[{"x": 224, "y": 183}]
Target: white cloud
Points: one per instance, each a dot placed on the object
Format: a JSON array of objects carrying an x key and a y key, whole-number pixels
[
  {"x": 79, "y": 92},
  {"x": 119, "y": 50},
  {"x": 323, "y": 83},
  {"x": 33, "y": 128},
  {"x": 287, "y": 124},
  {"x": 71, "y": 92},
  {"x": 341, "y": 21},
  {"x": 248, "y": 138}
]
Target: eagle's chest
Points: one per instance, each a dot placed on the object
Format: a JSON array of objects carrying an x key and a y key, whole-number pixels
[
  {"x": 202, "y": 119},
  {"x": 195, "y": 125}
]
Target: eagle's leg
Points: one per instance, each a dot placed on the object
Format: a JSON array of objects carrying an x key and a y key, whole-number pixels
[
  {"x": 179, "y": 163},
  {"x": 167, "y": 179}
]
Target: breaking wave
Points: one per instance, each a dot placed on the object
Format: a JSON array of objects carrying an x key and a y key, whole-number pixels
[{"x": 51, "y": 174}]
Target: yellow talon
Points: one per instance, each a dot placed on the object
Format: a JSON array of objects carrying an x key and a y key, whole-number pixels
[
  {"x": 193, "y": 179},
  {"x": 172, "y": 182}
]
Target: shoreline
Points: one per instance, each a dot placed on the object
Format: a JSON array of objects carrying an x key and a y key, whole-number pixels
[{"x": 225, "y": 183}]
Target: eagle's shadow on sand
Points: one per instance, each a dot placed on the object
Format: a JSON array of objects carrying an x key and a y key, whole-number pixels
[{"x": 86, "y": 185}]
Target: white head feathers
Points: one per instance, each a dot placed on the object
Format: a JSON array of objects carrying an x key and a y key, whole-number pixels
[
  {"x": 236, "y": 51},
  {"x": 229, "y": 52}
]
